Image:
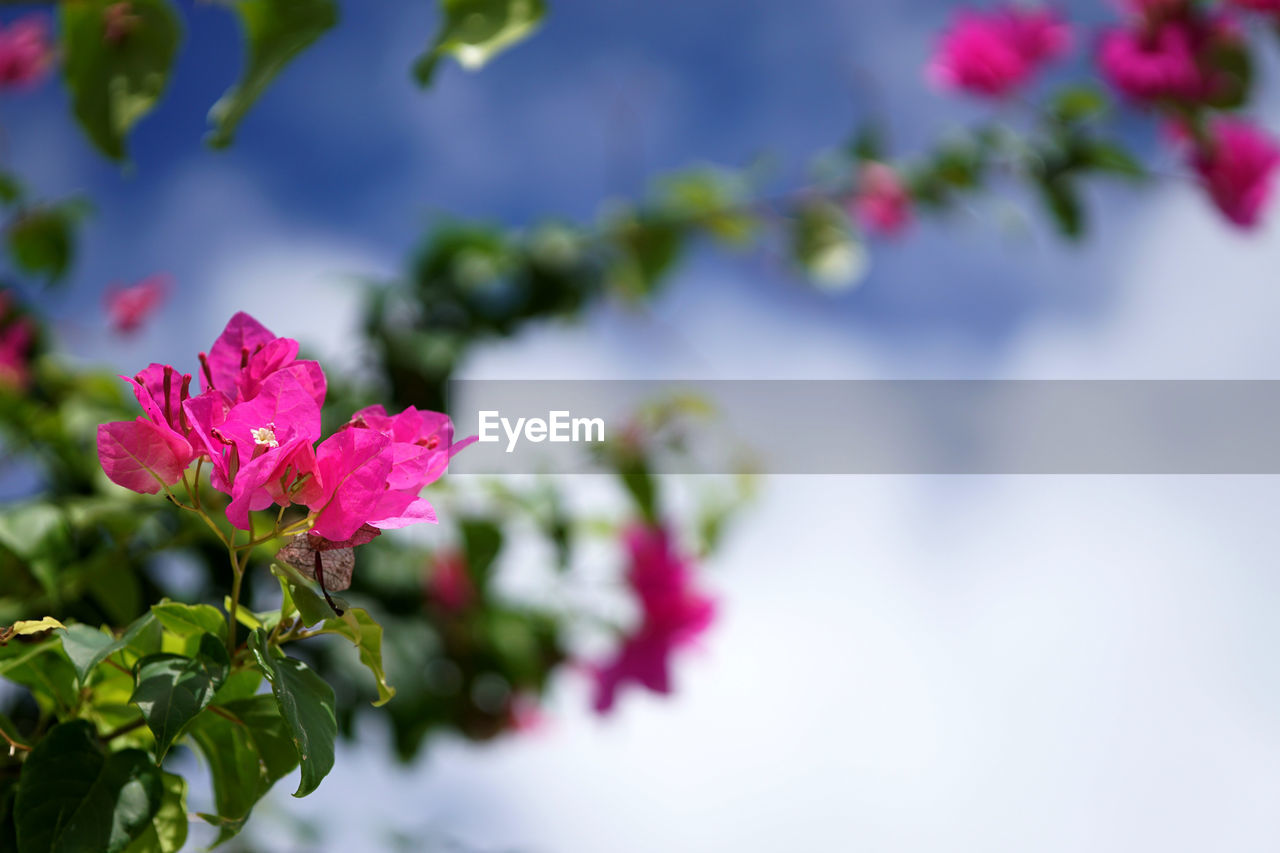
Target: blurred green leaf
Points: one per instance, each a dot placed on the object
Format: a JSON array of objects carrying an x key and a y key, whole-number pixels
[
  {"x": 116, "y": 78},
  {"x": 172, "y": 689},
  {"x": 474, "y": 31},
  {"x": 42, "y": 240},
  {"x": 306, "y": 703},
  {"x": 1079, "y": 103},
  {"x": 276, "y": 32},
  {"x": 72, "y": 797},
  {"x": 1111, "y": 158},
  {"x": 1062, "y": 202}
]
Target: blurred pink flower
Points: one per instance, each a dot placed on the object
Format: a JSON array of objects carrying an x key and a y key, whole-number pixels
[
  {"x": 1173, "y": 59},
  {"x": 129, "y": 307},
  {"x": 882, "y": 202},
  {"x": 673, "y": 615},
  {"x": 1257, "y": 5},
  {"x": 448, "y": 583},
  {"x": 993, "y": 53},
  {"x": 1237, "y": 166},
  {"x": 16, "y": 337},
  {"x": 26, "y": 53}
]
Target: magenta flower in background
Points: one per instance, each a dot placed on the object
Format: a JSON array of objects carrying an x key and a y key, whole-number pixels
[
  {"x": 129, "y": 307},
  {"x": 256, "y": 422},
  {"x": 1257, "y": 5},
  {"x": 1237, "y": 167},
  {"x": 1174, "y": 59},
  {"x": 993, "y": 53},
  {"x": 26, "y": 53},
  {"x": 882, "y": 202},
  {"x": 673, "y": 614},
  {"x": 447, "y": 582},
  {"x": 16, "y": 338}
]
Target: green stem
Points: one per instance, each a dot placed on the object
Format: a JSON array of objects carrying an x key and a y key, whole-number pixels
[{"x": 237, "y": 568}]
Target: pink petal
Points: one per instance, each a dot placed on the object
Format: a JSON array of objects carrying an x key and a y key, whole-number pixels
[
  {"x": 230, "y": 352},
  {"x": 142, "y": 456},
  {"x": 400, "y": 509},
  {"x": 353, "y": 465}
]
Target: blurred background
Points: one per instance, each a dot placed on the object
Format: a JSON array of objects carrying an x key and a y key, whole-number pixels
[{"x": 901, "y": 663}]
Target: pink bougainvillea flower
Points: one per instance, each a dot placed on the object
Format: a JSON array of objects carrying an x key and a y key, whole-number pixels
[
  {"x": 882, "y": 202},
  {"x": 257, "y": 422},
  {"x": 422, "y": 443},
  {"x": 1237, "y": 166},
  {"x": 16, "y": 338},
  {"x": 993, "y": 53},
  {"x": 129, "y": 307},
  {"x": 448, "y": 583},
  {"x": 141, "y": 455},
  {"x": 349, "y": 481},
  {"x": 246, "y": 353},
  {"x": 26, "y": 53},
  {"x": 1177, "y": 58},
  {"x": 673, "y": 612}
]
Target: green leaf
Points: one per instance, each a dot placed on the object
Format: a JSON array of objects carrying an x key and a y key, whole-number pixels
[
  {"x": 42, "y": 240},
  {"x": 1063, "y": 203},
  {"x": 43, "y": 669},
  {"x": 248, "y": 748},
  {"x": 474, "y": 31},
  {"x": 1079, "y": 103},
  {"x": 302, "y": 597},
  {"x": 172, "y": 689},
  {"x": 366, "y": 635},
  {"x": 307, "y": 704},
  {"x": 72, "y": 798},
  {"x": 276, "y": 32},
  {"x": 168, "y": 829},
  {"x": 639, "y": 484},
  {"x": 246, "y": 756},
  {"x": 1111, "y": 158},
  {"x": 187, "y": 620},
  {"x": 114, "y": 82},
  {"x": 88, "y": 647},
  {"x": 482, "y": 541}
]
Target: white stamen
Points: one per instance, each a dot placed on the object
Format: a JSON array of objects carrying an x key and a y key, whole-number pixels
[{"x": 264, "y": 437}]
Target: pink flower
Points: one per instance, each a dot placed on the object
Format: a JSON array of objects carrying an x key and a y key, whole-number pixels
[
  {"x": 129, "y": 307},
  {"x": 16, "y": 338},
  {"x": 257, "y": 422},
  {"x": 1173, "y": 59},
  {"x": 882, "y": 202},
  {"x": 1257, "y": 5},
  {"x": 448, "y": 583},
  {"x": 993, "y": 53},
  {"x": 673, "y": 615},
  {"x": 25, "y": 52},
  {"x": 1237, "y": 166}
]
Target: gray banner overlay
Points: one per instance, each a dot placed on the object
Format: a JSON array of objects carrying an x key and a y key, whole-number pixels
[{"x": 883, "y": 427}]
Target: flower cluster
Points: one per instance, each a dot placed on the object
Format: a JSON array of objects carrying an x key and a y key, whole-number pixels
[
  {"x": 1171, "y": 51},
  {"x": 16, "y": 338},
  {"x": 26, "y": 53},
  {"x": 256, "y": 422},
  {"x": 673, "y": 612},
  {"x": 1186, "y": 61},
  {"x": 993, "y": 53}
]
